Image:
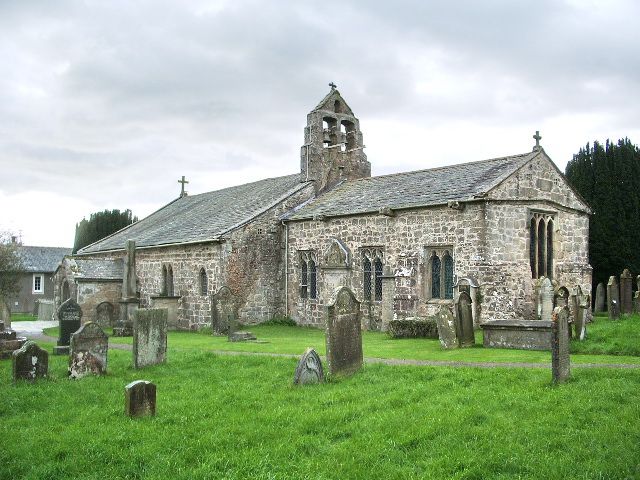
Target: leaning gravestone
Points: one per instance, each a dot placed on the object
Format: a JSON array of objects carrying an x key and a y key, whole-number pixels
[
  {"x": 546, "y": 299},
  {"x": 626, "y": 292},
  {"x": 464, "y": 314},
  {"x": 600, "y": 297},
  {"x": 140, "y": 399},
  {"x": 30, "y": 362},
  {"x": 579, "y": 306},
  {"x": 613, "y": 298},
  {"x": 224, "y": 311},
  {"x": 70, "y": 317},
  {"x": 149, "y": 337},
  {"x": 560, "y": 363},
  {"x": 88, "y": 352},
  {"x": 343, "y": 333},
  {"x": 447, "y": 332},
  {"x": 309, "y": 369}
]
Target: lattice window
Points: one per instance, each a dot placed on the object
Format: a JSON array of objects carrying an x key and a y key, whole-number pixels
[
  {"x": 440, "y": 276},
  {"x": 308, "y": 275},
  {"x": 541, "y": 226},
  {"x": 204, "y": 283},
  {"x": 372, "y": 266}
]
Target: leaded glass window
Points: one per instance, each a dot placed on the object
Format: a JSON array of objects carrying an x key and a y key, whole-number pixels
[
  {"x": 303, "y": 279},
  {"x": 313, "y": 278},
  {"x": 435, "y": 276},
  {"x": 541, "y": 227},
  {"x": 372, "y": 266},
  {"x": 377, "y": 264},
  {"x": 439, "y": 273},
  {"x": 308, "y": 275},
  {"x": 448, "y": 276},
  {"x": 366, "y": 280}
]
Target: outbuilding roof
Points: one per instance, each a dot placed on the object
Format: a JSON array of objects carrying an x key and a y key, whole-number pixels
[
  {"x": 421, "y": 188},
  {"x": 203, "y": 217},
  {"x": 98, "y": 268},
  {"x": 41, "y": 259}
]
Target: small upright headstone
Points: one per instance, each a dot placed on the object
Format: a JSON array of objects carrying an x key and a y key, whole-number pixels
[
  {"x": 561, "y": 298},
  {"x": 613, "y": 298},
  {"x": 88, "y": 352},
  {"x": 224, "y": 311},
  {"x": 578, "y": 307},
  {"x": 309, "y": 369},
  {"x": 140, "y": 399},
  {"x": 30, "y": 362},
  {"x": 70, "y": 318},
  {"x": 626, "y": 292},
  {"x": 546, "y": 299},
  {"x": 447, "y": 332},
  {"x": 464, "y": 314},
  {"x": 600, "y": 297},
  {"x": 149, "y": 337},
  {"x": 343, "y": 333},
  {"x": 560, "y": 363}
]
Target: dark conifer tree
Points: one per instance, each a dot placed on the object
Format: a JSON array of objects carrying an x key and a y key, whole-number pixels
[{"x": 100, "y": 225}]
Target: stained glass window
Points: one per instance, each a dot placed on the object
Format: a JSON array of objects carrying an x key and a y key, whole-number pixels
[
  {"x": 448, "y": 276},
  {"x": 377, "y": 264}
]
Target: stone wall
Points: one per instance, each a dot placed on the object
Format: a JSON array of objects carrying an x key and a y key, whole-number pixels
[{"x": 92, "y": 294}]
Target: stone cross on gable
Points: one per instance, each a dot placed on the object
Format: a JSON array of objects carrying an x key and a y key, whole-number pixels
[
  {"x": 183, "y": 181},
  {"x": 537, "y": 138},
  {"x": 333, "y": 86}
]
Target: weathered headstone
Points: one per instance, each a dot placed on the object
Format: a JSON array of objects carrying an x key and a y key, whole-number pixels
[
  {"x": 447, "y": 331},
  {"x": 600, "y": 297},
  {"x": 30, "y": 362},
  {"x": 561, "y": 297},
  {"x": 88, "y": 352},
  {"x": 546, "y": 300},
  {"x": 626, "y": 292},
  {"x": 46, "y": 310},
  {"x": 464, "y": 317},
  {"x": 613, "y": 298},
  {"x": 70, "y": 319},
  {"x": 578, "y": 306},
  {"x": 224, "y": 311},
  {"x": 140, "y": 399},
  {"x": 343, "y": 333},
  {"x": 560, "y": 362},
  {"x": 309, "y": 369},
  {"x": 149, "y": 337}
]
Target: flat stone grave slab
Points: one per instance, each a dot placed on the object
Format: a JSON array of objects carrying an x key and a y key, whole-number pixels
[
  {"x": 518, "y": 334},
  {"x": 88, "y": 351}
]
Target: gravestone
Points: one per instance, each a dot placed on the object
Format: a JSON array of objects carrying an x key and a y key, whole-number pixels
[
  {"x": 88, "y": 352},
  {"x": 464, "y": 317},
  {"x": 149, "y": 337},
  {"x": 447, "y": 331},
  {"x": 578, "y": 307},
  {"x": 70, "y": 318},
  {"x": 560, "y": 363},
  {"x": 388, "y": 294},
  {"x": 46, "y": 310},
  {"x": 309, "y": 369},
  {"x": 30, "y": 362},
  {"x": 105, "y": 314},
  {"x": 343, "y": 333},
  {"x": 546, "y": 300},
  {"x": 600, "y": 297},
  {"x": 613, "y": 298},
  {"x": 561, "y": 297},
  {"x": 470, "y": 286},
  {"x": 129, "y": 302},
  {"x": 626, "y": 292},
  {"x": 224, "y": 311},
  {"x": 9, "y": 342},
  {"x": 140, "y": 399}
]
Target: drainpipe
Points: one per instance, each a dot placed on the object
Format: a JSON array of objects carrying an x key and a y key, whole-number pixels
[{"x": 286, "y": 269}]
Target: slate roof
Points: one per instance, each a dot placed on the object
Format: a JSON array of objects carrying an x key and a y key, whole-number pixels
[
  {"x": 420, "y": 188},
  {"x": 99, "y": 268},
  {"x": 203, "y": 217},
  {"x": 41, "y": 259}
]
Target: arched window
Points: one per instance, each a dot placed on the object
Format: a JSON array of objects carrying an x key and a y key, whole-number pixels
[
  {"x": 372, "y": 266},
  {"x": 169, "y": 281},
  {"x": 541, "y": 226},
  {"x": 204, "y": 284},
  {"x": 304, "y": 279},
  {"x": 377, "y": 267},
  {"x": 435, "y": 276},
  {"x": 313, "y": 280},
  {"x": 448, "y": 276},
  {"x": 165, "y": 282}
]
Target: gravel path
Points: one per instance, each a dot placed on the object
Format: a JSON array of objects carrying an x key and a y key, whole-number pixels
[{"x": 388, "y": 361}]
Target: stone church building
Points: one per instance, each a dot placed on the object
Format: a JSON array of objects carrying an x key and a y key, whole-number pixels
[{"x": 405, "y": 243}]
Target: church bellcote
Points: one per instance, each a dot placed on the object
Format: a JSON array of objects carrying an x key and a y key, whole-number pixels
[{"x": 333, "y": 148}]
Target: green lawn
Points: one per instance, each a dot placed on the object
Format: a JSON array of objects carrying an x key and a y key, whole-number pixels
[
  {"x": 240, "y": 417},
  {"x": 23, "y": 317},
  {"x": 294, "y": 340}
]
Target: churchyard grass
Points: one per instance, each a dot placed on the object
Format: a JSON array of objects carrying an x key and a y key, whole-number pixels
[
  {"x": 23, "y": 317},
  {"x": 615, "y": 337},
  {"x": 294, "y": 340},
  {"x": 240, "y": 417}
]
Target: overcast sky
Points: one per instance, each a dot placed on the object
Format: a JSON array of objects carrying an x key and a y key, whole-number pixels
[{"x": 107, "y": 104}]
